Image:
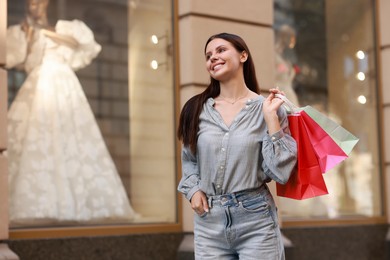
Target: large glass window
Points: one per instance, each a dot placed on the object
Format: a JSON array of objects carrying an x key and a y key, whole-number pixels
[
  {"x": 326, "y": 58},
  {"x": 106, "y": 159}
]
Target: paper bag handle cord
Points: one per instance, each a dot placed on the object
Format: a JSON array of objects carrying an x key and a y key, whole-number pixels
[{"x": 291, "y": 107}]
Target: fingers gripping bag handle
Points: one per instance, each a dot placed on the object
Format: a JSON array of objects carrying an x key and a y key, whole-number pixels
[{"x": 290, "y": 106}]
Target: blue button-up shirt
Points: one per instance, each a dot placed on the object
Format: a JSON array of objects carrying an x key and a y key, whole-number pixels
[{"x": 239, "y": 157}]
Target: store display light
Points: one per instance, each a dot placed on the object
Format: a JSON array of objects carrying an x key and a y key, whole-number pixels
[
  {"x": 360, "y": 54},
  {"x": 361, "y": 76}
]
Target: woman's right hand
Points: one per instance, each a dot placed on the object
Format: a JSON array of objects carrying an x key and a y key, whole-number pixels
[{"x": 199, "y": 203}]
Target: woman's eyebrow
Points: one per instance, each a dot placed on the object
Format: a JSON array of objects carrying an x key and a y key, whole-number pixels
[{"x": 218, "y": 47}]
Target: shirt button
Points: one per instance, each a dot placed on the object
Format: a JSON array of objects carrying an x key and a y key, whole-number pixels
[
  {"x": 226, "y": 134},
  {"x": 221, "y": 167},
  {"x": 273, "y": 138},
  {"x": 223, "y": 149},
  {"x": 218, "y": 186}
]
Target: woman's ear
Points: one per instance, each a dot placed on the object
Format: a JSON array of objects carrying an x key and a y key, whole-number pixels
[{"x": 243, "y": 57}]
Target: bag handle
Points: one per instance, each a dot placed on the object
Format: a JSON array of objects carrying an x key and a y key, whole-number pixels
[{"x": 290, "y": 106}]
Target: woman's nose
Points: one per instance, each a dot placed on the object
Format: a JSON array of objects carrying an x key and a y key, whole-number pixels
[{"x": 213, "y": 58}]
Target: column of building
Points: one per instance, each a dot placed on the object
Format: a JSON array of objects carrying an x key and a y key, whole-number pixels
[
  {"x": 384, "y": 58},
  {"x": 5, "y": 252},
  {"x": 251, "y": 19}
]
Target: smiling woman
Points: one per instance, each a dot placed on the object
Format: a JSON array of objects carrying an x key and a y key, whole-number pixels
[
  {"x": 219, "y": 56},
  {"x": 222, "y": 60},
  {"x": 223, "y": 177}
]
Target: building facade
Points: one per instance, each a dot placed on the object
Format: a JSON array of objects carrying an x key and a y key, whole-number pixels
[{"x": 137, "y": 107}]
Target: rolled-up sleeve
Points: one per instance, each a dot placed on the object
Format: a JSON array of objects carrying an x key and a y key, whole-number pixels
[
  {"x": 189, "y": 183},
  {"x": 279, "y": 152}
]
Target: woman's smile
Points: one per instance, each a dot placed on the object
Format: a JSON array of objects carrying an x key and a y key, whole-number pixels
[{"x": 217, "y": 66}]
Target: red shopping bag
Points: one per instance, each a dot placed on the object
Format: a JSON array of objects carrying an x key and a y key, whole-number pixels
[
  {"x": 331, "y": 142},
  {"x": 307, "y": 181},
  {"x": 328, "y": 152}
]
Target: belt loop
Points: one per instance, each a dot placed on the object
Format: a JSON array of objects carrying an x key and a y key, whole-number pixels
[{"x": 234, "y": 198}]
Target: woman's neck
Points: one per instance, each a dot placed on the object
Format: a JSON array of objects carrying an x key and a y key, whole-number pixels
[
  {"x": 233, "y": 89},
  {"x": 37, "y": 22}
]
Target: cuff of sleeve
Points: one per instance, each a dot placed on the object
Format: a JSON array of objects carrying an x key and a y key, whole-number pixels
[
  {"x": 191, "y": 192},
  {"x": 276, "y": 136}
]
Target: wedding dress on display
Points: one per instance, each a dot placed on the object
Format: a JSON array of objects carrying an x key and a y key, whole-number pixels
[{"x": 59, "y": 167}]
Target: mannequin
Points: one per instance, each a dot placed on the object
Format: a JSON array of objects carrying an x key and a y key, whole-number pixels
[
  {"x": 285, "y": 73},
  {"x": 285, "y": 39},
  {"x": 60, "y": 170},
  {"x": 36, "y": 19}
]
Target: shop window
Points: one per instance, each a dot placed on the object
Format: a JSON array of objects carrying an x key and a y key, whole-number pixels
[
  {"x": 129, "y": 85},
  {"x": 327, "y": 59}
]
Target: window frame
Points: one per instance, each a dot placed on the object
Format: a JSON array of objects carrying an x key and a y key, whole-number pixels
[
  {"x": 124, "y": 229},
  {"x": 382, "y": 219}
]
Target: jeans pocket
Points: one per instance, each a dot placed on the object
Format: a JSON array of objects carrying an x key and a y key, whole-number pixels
[
  {"x": 256, "y": 205},
  {"x": 203, "y": 215}
]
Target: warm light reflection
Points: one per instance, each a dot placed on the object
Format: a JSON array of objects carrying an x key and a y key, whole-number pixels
[
  {"x": 154, "y": 39},
  {"x": 154, "y": 64},
  {"x": 362, "y": 99},
  {"x": 360, "y": 55},
  {"x": 361, "y": 76}
]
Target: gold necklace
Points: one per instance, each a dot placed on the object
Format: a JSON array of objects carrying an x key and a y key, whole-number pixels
[{"x": 235, "y": 101}]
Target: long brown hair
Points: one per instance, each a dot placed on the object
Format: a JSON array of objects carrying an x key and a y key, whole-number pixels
[{"x": 189, "y": 117}]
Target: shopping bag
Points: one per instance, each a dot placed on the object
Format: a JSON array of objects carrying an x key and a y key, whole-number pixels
[
  {"x": 328, "y": 152},
  {"x": 340, "y": 135},
  {"x": 307, "y": 180},
  {"x": 332, "y": 143}
]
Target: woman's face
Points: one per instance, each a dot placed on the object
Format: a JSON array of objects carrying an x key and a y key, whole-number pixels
[
  {"x": 37, "y": 8},
  {"x": 223, "y": 61}
]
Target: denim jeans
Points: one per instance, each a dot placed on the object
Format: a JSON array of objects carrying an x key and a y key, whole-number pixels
[{"x": 241, "y": 225}]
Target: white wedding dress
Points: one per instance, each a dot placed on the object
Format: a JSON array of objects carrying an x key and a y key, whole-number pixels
[{"x": 60, "y": 170}]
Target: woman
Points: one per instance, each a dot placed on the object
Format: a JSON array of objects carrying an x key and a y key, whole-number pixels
[
  {"x": 60, "y": 169},
  {"x": 234, "y": 142}
]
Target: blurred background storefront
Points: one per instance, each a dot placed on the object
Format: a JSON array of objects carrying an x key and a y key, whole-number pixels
[{"x": 332, "y": 55}]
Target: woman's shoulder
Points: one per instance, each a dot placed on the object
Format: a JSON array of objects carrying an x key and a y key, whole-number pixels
[
  {"x": 16, "y": 36},
  {"x": 15, "y": 29},
  {"x": 255, "y": 98}
]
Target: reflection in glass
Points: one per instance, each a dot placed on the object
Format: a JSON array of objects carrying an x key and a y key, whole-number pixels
[
  {"x": 335, "y": 55},
  {"x": 133, "y": 106},
  {"x": 285, "y": 71},
  {"x": 152, "y": 128},
  {"x": 59, "y": 167}
]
